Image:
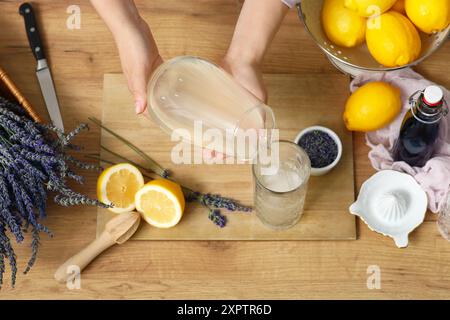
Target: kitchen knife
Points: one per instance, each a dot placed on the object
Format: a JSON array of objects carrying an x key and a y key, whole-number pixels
[{"x": 42, "y": 71}]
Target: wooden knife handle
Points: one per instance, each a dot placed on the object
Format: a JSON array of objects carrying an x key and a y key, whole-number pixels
[
  {"x": 26, "y": 10},
  {"x": 65, "y": 273}
]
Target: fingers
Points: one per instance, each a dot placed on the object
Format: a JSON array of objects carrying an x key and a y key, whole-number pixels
[
  {"x": 138, "y": 87},
  {"x": 260, "y": 92},
  {"x": 140, "y": 104},
  {"x": 247, "y": 75}
]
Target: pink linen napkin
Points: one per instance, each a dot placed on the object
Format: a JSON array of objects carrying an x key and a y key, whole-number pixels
[{"x": 434, "y": 177}]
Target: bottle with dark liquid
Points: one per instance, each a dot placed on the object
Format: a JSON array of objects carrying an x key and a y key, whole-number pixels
[{"x": 420, "y": 128}]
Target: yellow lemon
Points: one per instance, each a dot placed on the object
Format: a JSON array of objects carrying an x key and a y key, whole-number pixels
[
  {"x": 429, "y": 15},
  {"x": 342, "y": 26},
  {"x": 369, "y": 8},
  {"x": 118, "y": 185},
  {"x": 392, "y": 39},
  {"x": 161, "y": 203},
  {"x": 372, "y": 107},
  {"x": 399, "y": 6}
]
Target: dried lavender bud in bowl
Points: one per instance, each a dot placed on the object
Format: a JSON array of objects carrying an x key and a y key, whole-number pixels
[{"x": 323, "y": 146}]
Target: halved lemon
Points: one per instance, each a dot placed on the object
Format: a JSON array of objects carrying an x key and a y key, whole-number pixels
[
  {"x": 161, "y": 203},
  {"x": 118, "y": 185}
]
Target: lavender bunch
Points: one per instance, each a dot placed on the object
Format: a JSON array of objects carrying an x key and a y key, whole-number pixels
[{"x": 33, "y": 162}]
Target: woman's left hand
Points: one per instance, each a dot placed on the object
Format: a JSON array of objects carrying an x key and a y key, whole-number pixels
[{"x": 248, "y": 75}]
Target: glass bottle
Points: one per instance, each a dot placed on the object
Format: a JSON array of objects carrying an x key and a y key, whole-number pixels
[{"x": 420, "y": 128}]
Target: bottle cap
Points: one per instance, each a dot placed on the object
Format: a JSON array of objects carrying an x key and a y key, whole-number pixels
[{"x": 433, "y": 95}]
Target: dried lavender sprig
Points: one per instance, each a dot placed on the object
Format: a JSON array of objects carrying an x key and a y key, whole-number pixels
[
  {"x": 17, "y": 194},
  {"x": 7, "y": 251},
  {"x": 217, "y": 218},
  {"x": 81, "y": 164},
  {"x": 72, "y": 175},
  {"x": 13, "y": 225},
  {"x": 69, "y": 137},
  {"x": 34, "y": 249},
  {"x": 68, "y": 201},
  {"x": 36, "y": 190},
  {"x": 67, "y": 197},
  {"x": 219, "y": 202},
  {"x": 4, "y": 192},
  {"x": 153, "y": 166},
  {"x": 2, "y": 267}
]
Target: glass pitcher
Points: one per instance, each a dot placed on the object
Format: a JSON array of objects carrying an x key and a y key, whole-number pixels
[{"x": 192, "y": 96}]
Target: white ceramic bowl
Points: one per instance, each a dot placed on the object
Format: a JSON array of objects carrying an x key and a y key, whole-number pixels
[{"x": 322, "y": 171}]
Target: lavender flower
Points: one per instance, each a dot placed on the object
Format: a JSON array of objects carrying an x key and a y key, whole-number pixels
[
  {"x": 219, "y": 202},
  {"x": 34, "y": 249},
  {"x": 217, "y": 218},
  {"x": 74, "y": 133},
  {"x": 7, "y": 251},
  {"x": 78, "y": 200},
  {"x": 82, "y": 165},
  {"x": 2, "y": 268}
]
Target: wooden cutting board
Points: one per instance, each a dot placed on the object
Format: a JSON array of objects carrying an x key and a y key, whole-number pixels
[{"x": 298, "y": 101}]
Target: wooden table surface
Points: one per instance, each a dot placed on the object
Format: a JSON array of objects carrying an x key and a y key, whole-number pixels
[{"x": 202, "y": 269}]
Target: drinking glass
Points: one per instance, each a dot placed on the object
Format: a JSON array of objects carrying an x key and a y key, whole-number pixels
[
  {"x": 280, "y": 193},
  {"x": 195, "y": 97}
]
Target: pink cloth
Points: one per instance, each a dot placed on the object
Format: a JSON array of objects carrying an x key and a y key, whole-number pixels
[
  {"x": 290, "y": 3},
  {"x": 434, "y": 177}
]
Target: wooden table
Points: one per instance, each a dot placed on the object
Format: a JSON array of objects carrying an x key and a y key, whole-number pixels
[{"x": 211, "y": 269}]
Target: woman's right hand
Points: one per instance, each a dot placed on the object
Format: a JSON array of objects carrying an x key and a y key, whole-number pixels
[{"x": 139, "y": 57}]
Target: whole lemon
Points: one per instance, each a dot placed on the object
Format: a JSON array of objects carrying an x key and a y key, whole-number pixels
[
  {"x": 369, "y": 8},
  {"x": 342, "y": 26},
  {"x": 392, "y": 39},
  {"x": 429, "y": 15},
  {"x": 372, "y": 107},
  {"x": 399, "y": 6}
]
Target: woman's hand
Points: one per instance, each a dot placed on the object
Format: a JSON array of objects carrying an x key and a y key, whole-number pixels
[
  {"x": 137, "y": 49},
  {"x": 248, "y": 74},
  {"x": 139, "y": 57},
  {"x": 257, "y": 25}
]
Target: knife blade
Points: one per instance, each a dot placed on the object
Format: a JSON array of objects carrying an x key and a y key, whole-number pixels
[{"x": 43, "y": 73}]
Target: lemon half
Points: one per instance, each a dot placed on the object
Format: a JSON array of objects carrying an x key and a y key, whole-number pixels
[
  {"x": 118, "y": 185},
  {"x": 161, "y": 203}
]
